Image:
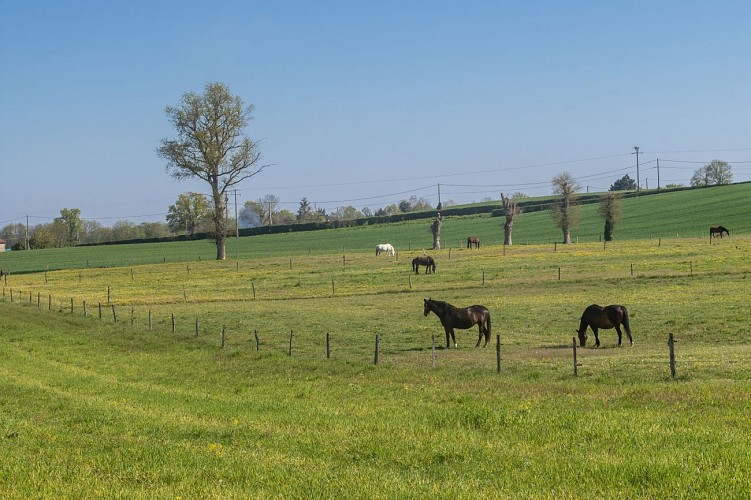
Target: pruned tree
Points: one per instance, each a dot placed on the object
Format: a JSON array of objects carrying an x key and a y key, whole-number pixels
[
  {"x": 510, "y": 209},
  {"x": 211, "y": 146},
  {"x": 435, "y": 228},
  {"x": 714, "y": 173},
  {"x": 188, "y": 212},
  {"x": 565, "y": 212},
  {"x": 610, "y": 209}
]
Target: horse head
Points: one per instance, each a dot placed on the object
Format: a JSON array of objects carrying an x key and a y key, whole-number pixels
[
  {"x": 582, "y": 336},
  {"x": 426, "y": 307}
]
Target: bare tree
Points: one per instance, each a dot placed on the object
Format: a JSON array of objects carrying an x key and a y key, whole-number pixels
[
  {"x": 610, "y": 209},
  {"x": 564, "y": 212},
  {"x": 510, "y": 210},
  {"x": 435, "y": 227},
  {"x": 211, "y": 146}
]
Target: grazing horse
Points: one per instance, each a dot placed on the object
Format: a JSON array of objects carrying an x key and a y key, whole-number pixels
[
  {"x": 460, "y": 317},
  {"x": 384, "y": 247},
  {"x": 606, "y": 317},
  {"x": 473, "y": 240},
  {"x": 714, "y": 231},
  {"x": 425, "y": 260}
]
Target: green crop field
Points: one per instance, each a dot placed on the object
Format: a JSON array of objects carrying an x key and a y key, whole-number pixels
[{"x": 157, "y": 387}]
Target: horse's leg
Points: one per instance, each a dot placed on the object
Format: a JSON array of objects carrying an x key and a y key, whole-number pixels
[
  {"x": 620, "y": 335},
  {"x": 453, "y": 338},
  {"x": 448, "y": 336},
  {"x": 597, "y": 339},
  {"x": 480, "y": 336}
]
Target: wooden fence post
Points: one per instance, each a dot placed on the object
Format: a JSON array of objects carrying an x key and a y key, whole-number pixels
[
  {"x": 39, "y": 300},
  {"x": 149, "y": 319},
  {"x": 196, "y": 327},
  {"x": 258, "y": 341},
  {"x": 333, "y": 288},
  {"x": 410, "y": 280},
  {"x": 290, "y": 342},
  {"x": 483, "y": 278},
  {"x": 108, "y": 295},
  {"x": 132, "y": 316},
  {"x": 224, "y": 329},
  {"x": 100, "y": 310},
  {"x": 671, "y": 345},
  {"x": 173, "y": 323},
  {"x": 253, "y": 284},
  {"x": 114, "y": 314},
  {"x": 71, "y": 303},
  {"x": 49, "y": 302},
  {"x": 559, "y": 273},
  {"x": 85, "y": 313},
  {"x": 328, "y": 346},
  {"x": 377, "y": 340},
  {"x": 632, "y": 269}
]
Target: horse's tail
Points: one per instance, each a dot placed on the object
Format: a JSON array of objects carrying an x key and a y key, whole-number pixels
[
  {"x": 487, "y": 329},
  {"x": 626, "y": 323}
]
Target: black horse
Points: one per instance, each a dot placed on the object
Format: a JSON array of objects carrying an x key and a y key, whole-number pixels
[
  {"x": 460, "y": 317},
  {"x": 595, "y": 317},
  {"x": 714, "y": 231},
  {"x": 473, "y": 240},
  {"x": 425, "y": 260}
]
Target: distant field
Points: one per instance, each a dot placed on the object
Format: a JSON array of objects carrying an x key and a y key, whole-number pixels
[
  {"x": 90, "y": 407},
  {"x": 669, "y": 215}
]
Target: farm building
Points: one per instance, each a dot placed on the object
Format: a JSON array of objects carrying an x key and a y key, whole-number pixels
[{"x": 2, "y": 245}]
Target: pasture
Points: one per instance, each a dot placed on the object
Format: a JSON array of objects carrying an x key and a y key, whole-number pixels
[{"x": 94, "y": 407}]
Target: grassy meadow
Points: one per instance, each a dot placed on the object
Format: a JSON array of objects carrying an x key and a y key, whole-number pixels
[{"x": 93, "y": 407}]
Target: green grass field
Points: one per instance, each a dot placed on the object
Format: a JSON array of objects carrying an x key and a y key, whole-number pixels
[
  {"x": 90, "y": 407},
  {"x": 666, "y": 215}
]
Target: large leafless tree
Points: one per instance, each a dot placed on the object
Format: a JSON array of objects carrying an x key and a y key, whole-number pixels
[
  {"x": 565, "y": 211},
  {"x": 211, "y": 146}
]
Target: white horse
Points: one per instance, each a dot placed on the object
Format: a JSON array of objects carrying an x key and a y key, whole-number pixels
[{"x": 385, "y": 247}]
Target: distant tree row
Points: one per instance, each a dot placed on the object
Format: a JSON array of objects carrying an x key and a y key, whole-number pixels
[{"x": 69, "y": 229}]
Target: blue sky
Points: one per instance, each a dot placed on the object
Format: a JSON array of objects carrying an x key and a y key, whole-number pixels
[{"x": 367, "y": 103}]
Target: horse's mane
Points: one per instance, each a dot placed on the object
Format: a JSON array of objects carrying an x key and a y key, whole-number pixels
[{"x": 442, "y": 304}]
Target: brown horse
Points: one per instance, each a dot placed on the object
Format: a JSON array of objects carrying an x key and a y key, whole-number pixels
[
  {"x": 425, "y": 260},
  {"x": 473, "y": 240},
  {"x": 595, "y": 317},
  {"x": 714, "y": 231},
  {"x": 460, "y": 317}
]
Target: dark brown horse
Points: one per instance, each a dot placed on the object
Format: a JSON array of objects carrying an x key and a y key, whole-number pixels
[
  {"x": 714, "y": 231},
  {"x": 473, "y": 241},
  {"x": 460, "y": 317},
  {"x": 604, "y": 317},
  {"x": 425, "y": 260}
]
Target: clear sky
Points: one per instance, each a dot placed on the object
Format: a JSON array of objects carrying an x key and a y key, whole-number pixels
[{"x": 367, "y": 103}]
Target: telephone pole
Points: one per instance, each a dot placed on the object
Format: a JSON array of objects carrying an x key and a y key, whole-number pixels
[
  {"x": 658, "y": 173},
  {"x": 636, "y": 152}
]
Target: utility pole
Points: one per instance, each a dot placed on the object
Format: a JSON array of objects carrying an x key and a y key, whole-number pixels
[
  {"x": 638, "y": 186},
  {"x": 658, "y": 173},
  {"x": 439, "y": 196},
  {"x": 27, "y": 232},
  {"x": 270, "y": 221}
]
